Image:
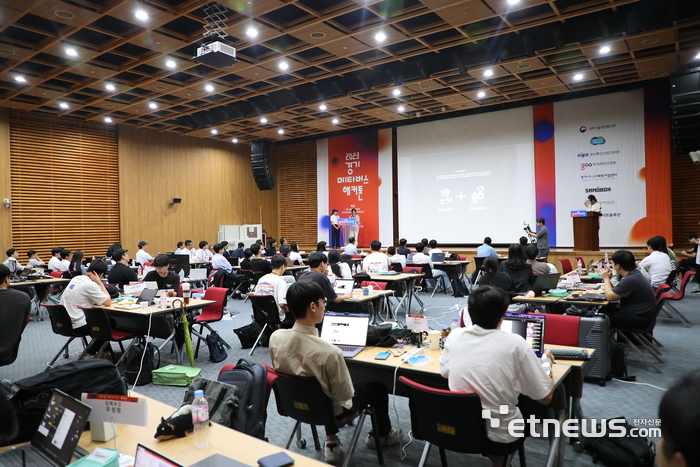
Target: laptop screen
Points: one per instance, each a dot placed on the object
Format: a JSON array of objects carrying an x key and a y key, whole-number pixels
[
  {"x": 146, "y": 457},
  {"x": 437, "y": 257},
  {"x": 198, "y": 273},
  {"x": 343, "y": 286},
  {"x": 544, "y": 282},
  {"x": 530, "y": 327},
  {"x": 345, "y": 328},
  {"x": 60, "y": 429}
]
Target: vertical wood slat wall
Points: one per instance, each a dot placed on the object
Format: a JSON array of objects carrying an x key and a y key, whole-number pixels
[
  {"x": 685, "y": 198},
  {"x": 65, "y": 185},
  {"x": 297, "y": 191}
]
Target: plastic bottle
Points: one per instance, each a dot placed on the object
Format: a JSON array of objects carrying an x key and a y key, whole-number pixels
[
  {"x": 606, "y": 258},
  {"x": 455, "y": 323},
  {"x": 546, "y": 365},
  {"x": 443, "y": 338},
  {"x": 580, "y": 265},
  {"x": 182, "y": 274},
  {"x": 358, "y": 268},
  {"x": 200, "y": 420},
  {"x": 164, "y": 301}
]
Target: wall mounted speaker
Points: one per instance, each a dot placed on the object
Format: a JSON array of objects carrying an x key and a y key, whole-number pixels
[{"x": 260, "y": 163}]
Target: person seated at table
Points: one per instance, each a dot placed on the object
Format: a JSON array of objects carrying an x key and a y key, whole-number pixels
[
  {"x": 295, "y": 256},
  {"x": 86, "y": 291},
  {"x": 486, "y": 249},
  {"x": 142, "y": 256},
  {"x": 121, "y": 274},
  {"x": 496, "y": 365},
  {"x": 421, "y": 258},
  {"x": 402, "y": 250},
  {"x": 495, "y": 278},
  {"x": 271, "y": 250},
  {"x": 523, "y": 247},
  {"x": 203, "y": 254},
  {"x": 191, "y": 250},
  {"x": 679, "y": 412},
  {"x": 518, "y": 270},
  {"x": 14, "y": 312},
  {"x": 376, "y": 261},
  {"x": 76, "y": 263},
  {"x": 426, "y": 246},
  {"x": 66, "y": 256},
  {"x": 12, "y": 262},
  {"x": 34, "y": 260},
  {"x": 433, "y": 247},
  {"x": 394, "y": 257},
  {"x": 274, "y": 284},
  {"x": 634, "y": 292},
  {"x": 224, "y": 249},
  {"x": 166, "y": 279},
  {"x": 321, "y": 247},
  {"x": 218, "y": 261},
  {"x": 245, "y": 262},
  {"x": 350, "y": 248},
  {"x": 283, "y": 242},
  {"x": 55, "y": 261},
  {"x": 258, "y": 263},
  {"x": 301, "y": 352},
  {"x": 318, "y": 264},
  {"x": 284, "y": 251},
  {"x": 537, "y": 267},
  {"x": 180, "y": 250},
  {"x": 337, "y": 269},
  {"x": 658, "y": 263},
  {"x": 239, "y": 251},
  {"x": 110, "y": 251}
]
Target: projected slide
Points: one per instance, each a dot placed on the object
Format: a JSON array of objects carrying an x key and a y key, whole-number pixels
[{"x": 463, "y": 179}]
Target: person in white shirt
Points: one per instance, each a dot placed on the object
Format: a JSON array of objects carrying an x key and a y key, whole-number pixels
[
  {"x": 354, "y": 230},
  {"x": 55, "y": 261},
  {"x": 218, "y": 261},
  {"x": 336, "y": 268},
  {"x": 274, "y": 284},
  {"x": 62, "y": 261},
  {"x": 421, "y": 258},
  {"x": 294, "y": 255},
  {"x": 592, "y": 204},
  {"x": 180, "y": 249},
  {"x": 12, "y": 261},
  {"x": 376, "y": 261},
  {"x": 191, "y": 250},
  {"x": 658, "y": 263},
  {"x": 395, "y": 258},
  {"x": 432, "y": 244},
  {"x": 350, "y": 248},
  {"x": 496, "y": 365},
  {"x": 142, "y": 255},
  {"x": 203, "y": 252}
]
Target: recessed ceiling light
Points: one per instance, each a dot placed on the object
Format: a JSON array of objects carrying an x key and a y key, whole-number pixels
[
  {"x": 71, "y": 52},
  {"x": 63, "y": 105},
  {"x": 280, "y": 131},
  {"x": 605, "y": 49},
  {"x": 335, "y": 121},
  {"x": 488, "y": 73},
  {"x": 20, "y": 79},
  {"x": 524, "y": 66},
  {"x": 396, "y": 92},
  {"x": 650, "y": 41},
  {"x": 322, "y": 107},
  {"x": 153, "y": 105},
  {"x": 263, "y": 120},
  {"x": 108, "y": 120},
  {"x": 160, "y": 88},
  {"x": 284, "y": 65},
  {"x": 209, "y": 87},
  {"x": 425, "y": 86},
  {"x": 481, "y": 94},
  {"x": 108, "y": 106},
  {"x": 140, "y": 14},
  {"x": 110, "y": 87},
  {"x": 251, "y": 32},
  {"x": 317, "y": 35},
  {"x": 170, "y": 64},
  {"x": 380, "y": 37},
  {"x": 578, "y": 76},
  {"x": 513, "y": 2},
  {"x": 234, "y": 140},
  {"x": 214, "y": 131},
  {"x": 401, "y": 108},
  {"x": 64, "y": 14},
  {"x": 345, "y": 102}
]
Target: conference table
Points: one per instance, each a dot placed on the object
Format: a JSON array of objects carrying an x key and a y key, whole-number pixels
[
  {"x": 371, "y": 303},
  {"x": 224, "y": 441},
  {"x": 408, "y": 280},
  {"x": 40, "y": 288},
  {"x": 364, "y": 369},
  {"x": 567, "y": 300}
]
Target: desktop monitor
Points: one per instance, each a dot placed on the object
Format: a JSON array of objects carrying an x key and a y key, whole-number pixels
[
  {"x": 529, "y": 326},
  {"x": 179, "y": 262}
]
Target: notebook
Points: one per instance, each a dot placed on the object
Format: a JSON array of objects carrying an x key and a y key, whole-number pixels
[
  {"x": 347, "y": 331},
  {"x": 529, "y": 326},
  {"x": 437, "y": 257},
  {"x": 146, "y": 457},
  {"x": 56, "y": 438},
  {"x": 544, "y": 282},
  {"x": 343, "y": 286}
]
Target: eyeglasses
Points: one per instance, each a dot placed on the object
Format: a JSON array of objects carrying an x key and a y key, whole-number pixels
[{"x": 323, "y": 301}]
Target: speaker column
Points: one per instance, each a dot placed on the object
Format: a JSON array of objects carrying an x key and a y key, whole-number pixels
[
  {"x": 685, "y": 111},
  {"x": 260, "y": 164}
]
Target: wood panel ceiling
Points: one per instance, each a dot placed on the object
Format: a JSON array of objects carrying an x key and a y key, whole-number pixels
[{"x": 438, "y": 55}]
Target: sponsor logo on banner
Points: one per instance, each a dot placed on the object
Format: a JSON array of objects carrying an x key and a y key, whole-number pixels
[
  {"x": 586, "y": 165},
  {"x": 598, "y": 190},
  {"x": 597, "y": 140},
  {"x": 582, "y": 154},
  {"x": 583, "y": 129}
]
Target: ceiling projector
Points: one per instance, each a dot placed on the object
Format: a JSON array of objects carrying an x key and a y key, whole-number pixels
[
  {"x": 695, "y": 156},
  {"x": 216, "y": 54}
]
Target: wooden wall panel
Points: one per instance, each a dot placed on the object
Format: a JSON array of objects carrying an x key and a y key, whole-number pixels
[
  {"x": 685, "y": 198},
  {"x": 64, "y": 184},
  {"x": 214, "y": 180},
  {"x": 5, "y": 182},
  {"x": 296, "y": 179}
]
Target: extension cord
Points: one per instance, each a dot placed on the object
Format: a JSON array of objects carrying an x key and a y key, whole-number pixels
[{"x": 412, "y": 353}]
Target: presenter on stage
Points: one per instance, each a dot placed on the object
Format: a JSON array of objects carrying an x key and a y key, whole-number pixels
[
  {"x": 335, "y": 229},
  {"x": 542, "y": 237},
  {"x": 592, "y": 204},
  {"x": 354, "y": 230}
]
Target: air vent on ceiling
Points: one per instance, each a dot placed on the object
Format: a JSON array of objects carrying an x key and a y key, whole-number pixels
[
  {"x": 463, "y": 106},
  {"x": 425, "y": 86},
  {"x": 65, "y": 14},
  {"x": 160, "y": 88},
  {"x": 7, "y": 52},
  {"x": 551, "y": 91},
  {"x": 650, "y": 41},
  {"x": 524, "y": 66},
  {"x": 109, "y": 106},
  {"x": 317, "y": 35}
]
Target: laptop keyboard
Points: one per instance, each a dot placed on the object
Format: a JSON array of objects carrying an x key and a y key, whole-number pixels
[
  {"x": 13, "y": 458},
  {"x": 347, "y": 348}
]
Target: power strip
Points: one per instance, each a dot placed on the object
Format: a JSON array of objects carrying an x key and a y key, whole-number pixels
[{"x": 412, "y": 353}]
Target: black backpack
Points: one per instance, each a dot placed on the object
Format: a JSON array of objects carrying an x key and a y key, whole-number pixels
[
  {"x": 73, "y": 378},
  {"x": 249, "y": 333},
  {"x": 132, "y": 363},
  {"x": 623, "y": 451},
  {"x": 217, "y": 351},
  {"x": 459, "y": 289},
  {"x": 251, "y": 380}
]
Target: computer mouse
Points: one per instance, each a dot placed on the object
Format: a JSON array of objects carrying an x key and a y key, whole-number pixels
[{"x": 575, "y": 295}]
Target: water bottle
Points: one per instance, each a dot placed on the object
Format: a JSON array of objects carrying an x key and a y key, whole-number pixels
[
  {"x": 164, "y": 301},
  {"x": 606, "y": 258},
  {"x": 443, "y": 338},
  {"x": 358, "y": 268},
  {"x": 200, "y": 420},
  {"x": 580, "y": 265},
  {"x": 546, "y": 365},
  {"x": 455, "y": 323},
  {"x": 182, "y": 274}
]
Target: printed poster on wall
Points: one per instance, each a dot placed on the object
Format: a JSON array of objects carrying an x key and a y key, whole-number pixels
[{"x": 353, "y": 182}]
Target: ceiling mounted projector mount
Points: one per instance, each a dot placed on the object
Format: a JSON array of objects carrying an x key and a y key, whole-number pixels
[{"x": 214, "y": 50}]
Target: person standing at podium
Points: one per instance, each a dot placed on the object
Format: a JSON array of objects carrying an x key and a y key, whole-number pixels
[
  {"x": 354, "y": 230},
  {"x": 592, "y": 204}
]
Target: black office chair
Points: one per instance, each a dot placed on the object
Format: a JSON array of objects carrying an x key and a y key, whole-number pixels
[
  {"x": 265, "y": 313},
  {"x": 101, "y": 329},
  {"x": 428, "y": 271},
  {"x": 397, "y": 267},
  {"x": 62, "y": 325}
]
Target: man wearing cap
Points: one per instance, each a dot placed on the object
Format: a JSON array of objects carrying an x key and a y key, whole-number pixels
[
  {"x": 142, "y": 256},
  {"x": 121, "y": 273}
]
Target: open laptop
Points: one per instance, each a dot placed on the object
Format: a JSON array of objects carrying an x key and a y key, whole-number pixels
[
  {"x": 348, "y": 331},
  {"x": 529, "y": 326},
  {"x": 437, "y": 257},
  {"x": 21, "y": 276},
  {"x": 343, "y": 286},
  {"x": 56, "y": 438},
  {"x": 544, "y": 282},
  {"x": 147, "y": 457},
  {"x": 147, "y": 295},
  {"x": 198, "y": 273}
]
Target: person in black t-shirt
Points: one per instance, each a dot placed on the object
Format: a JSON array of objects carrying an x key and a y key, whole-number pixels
[
  {"x": 258, "y": 264},
  {"x": 518, "y": 270},
  {"x": 317, "y": 273},
  {"x": 14, "y": 311},
  {"x": 121, "y": 274},
  {"x": 166, "y": 280},
  {"x": 245, "y": 263}
]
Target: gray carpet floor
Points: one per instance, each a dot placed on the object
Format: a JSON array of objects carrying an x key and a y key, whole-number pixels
[{"x": 633, "y": 401}]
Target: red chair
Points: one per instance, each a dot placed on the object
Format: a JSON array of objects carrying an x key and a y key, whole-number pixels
[
  {"x": 668, "y": 296},
  {"x": 211, "y": 313},
  {"x": 147, "y": 264},
  {"x": 462, "y": 258},
  {"x": 101, "y": 329},
  {"x": 561, "y": 330},
  {"x": 565, "y": 265},
  {"x": 56, "y": 274}
]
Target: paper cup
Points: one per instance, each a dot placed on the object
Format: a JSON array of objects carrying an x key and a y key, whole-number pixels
[
  {"x": 144, "y": 306},
  {"x": 434, "y": 339},
  {"x": 365, "y": 290}
]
